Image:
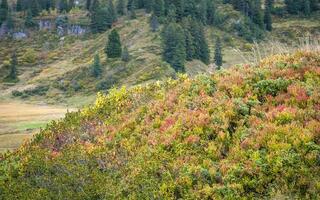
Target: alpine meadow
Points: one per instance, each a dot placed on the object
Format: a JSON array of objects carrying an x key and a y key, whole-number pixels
[{"x": 159, "y": 99}]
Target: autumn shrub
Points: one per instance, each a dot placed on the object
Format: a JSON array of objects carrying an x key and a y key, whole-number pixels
[{"x": 242, "y": 133}]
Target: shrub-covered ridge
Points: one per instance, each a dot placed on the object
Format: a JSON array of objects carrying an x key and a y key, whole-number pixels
[{"x": 243, "y": 133}]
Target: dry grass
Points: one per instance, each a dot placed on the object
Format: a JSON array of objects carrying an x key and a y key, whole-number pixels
[
  {"x": 262, "y": 50},
  {"x": 18, "y": 121}
]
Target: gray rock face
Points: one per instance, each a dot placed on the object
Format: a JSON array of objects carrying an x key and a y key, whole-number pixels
[
  {"x": 76, "y": 30},
  {"x": 45, "y": 25},
  {"x": 70, "y": 29},
  {"x": 19, "y": 35}
]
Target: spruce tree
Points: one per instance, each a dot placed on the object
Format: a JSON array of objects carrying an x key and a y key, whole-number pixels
[
  {"x": 19, "y": 6},
  {"x": 71, "y": 4},
  {"x": 172, "y": 14},
  {"x": 125, "y": 54},
  {"x": 88, "y": 4},
  {"x": 306, "y": 8},
  {"x": 218, "y": 54},
  {"x": 112, "y": 11},
  {"x": 10, "y": 22},
  {"x": 113, "y": 48},
  {"x": 96, "y": 67},
  {"x": 154, "y": 23},
  {"x": 34, "y": 8},
  {"x": 174, "y": 51},
  {"x": 63, "y": 6},
  {"x": 256, "y": 13},
  {"x": 204, "y": 53},
  {"x": 13, "y": 67},
  {"x": 132, "y": 11},
  {"x": 121, "y": 7},
  {"x": 211, "y": 12},
  {"x": 148, "y": 4},
  {"x": 3, "y": 11},
  {"x": 267, "y": 15},
  {"x": 158, "y": 8},
  {"x": 101, "y": 18},
  {"x": 29, "y": 22}
]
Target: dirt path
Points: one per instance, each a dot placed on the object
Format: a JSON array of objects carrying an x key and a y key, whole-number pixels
[{"x": 19, "y": 121}]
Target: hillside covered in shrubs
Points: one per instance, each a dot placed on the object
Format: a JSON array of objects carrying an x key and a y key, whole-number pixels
[{"x": 242, "y": 133}]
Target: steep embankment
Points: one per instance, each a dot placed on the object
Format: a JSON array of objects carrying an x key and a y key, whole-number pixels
[{"x": 245, "y": 132}]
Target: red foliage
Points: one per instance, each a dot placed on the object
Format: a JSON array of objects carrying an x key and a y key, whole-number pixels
[{"x": 167, "y": 124}]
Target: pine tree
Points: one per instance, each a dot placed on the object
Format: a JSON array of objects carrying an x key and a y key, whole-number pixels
[
  {"x": 63, "y": 6},
  {"x": 172, "y": 14},
  {"x": 101, "y": 18},
  {"x": 158, "y": 8},
  {"x": 113, "y": 48},
  {"x": 148, "y": 4},
  {"x": 88, "y": 4},
  {"x": 132, "y": 11},
  {"x": 267, "y": 15},
  {"x": 306, "y": 8},
  {"x": 121, "y": 7},
  {"x": 256, "y": 13},
  {"x": 112, "y": 11},
  {"x": 10, "y": 22},
  {"x": 211, "y": 12},
  {"x": 13, "y": 67},
  {"x": 34, "y": 8},
  {"x": 204, "y": 53},
  {"x": 154, "y": 23},
  {"x": 96, "y": 67},
  {"x": 3, "y": 11},
  {"x": 125, "y": 54},
  {"x": 29, "y": 22},
  {"x": 71, "y": 4},
  {"x": 218, "y": 54},
  {"x": 19, "y": 6},
  {"x": 174, "y": 51}
]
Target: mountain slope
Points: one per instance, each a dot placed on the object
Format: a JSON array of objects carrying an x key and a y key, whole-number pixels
[{"x": 245, "y": 132}]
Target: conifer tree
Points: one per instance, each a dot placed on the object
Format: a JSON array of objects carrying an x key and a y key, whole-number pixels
[
  {"x": 132, "y": 11},
  {"x": 101, "y": 18},
  {"x": 172, "y": 14},
  {"x": 218, "y": 54},
  {"x": 125, "y": 54},
  {"x": 3, "y": 11},
  {"x": 112, "y": 11},
  {"x": 96, "y": 67},
  {"x": 19, "y": 6},
  {"x": 158, "y": 8},
  {"x": 211, "y": 12},
  {"x": 29, "y": 22},
  {"x": 71, "y": 4},
  {"x": 202, "y": 11},
  {"x": 113, "y": 48},
  {"x": 63, "y": 6},
  {"x": 256, "y": 13},
  {"x": 267, "y": 15},
  {"x": 306, "y": 8},
  {"x": 148, "y": 4},
  {"x": 130, "y": 4},
  {"x": 154, "y": 23},
  {"x": 10, "y": 22},
  {"x": 34, "y": 8},
  {"x": 13, "y": 67},
  {"x": 174, "y": 51},
  {"x": 88, "y": 4},
  {"x": 121, "y": 7},
  {"x": 204, "y": 53}
]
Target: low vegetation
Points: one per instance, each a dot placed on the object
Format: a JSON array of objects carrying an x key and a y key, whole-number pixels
[{"x": 248, "y": 132}]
